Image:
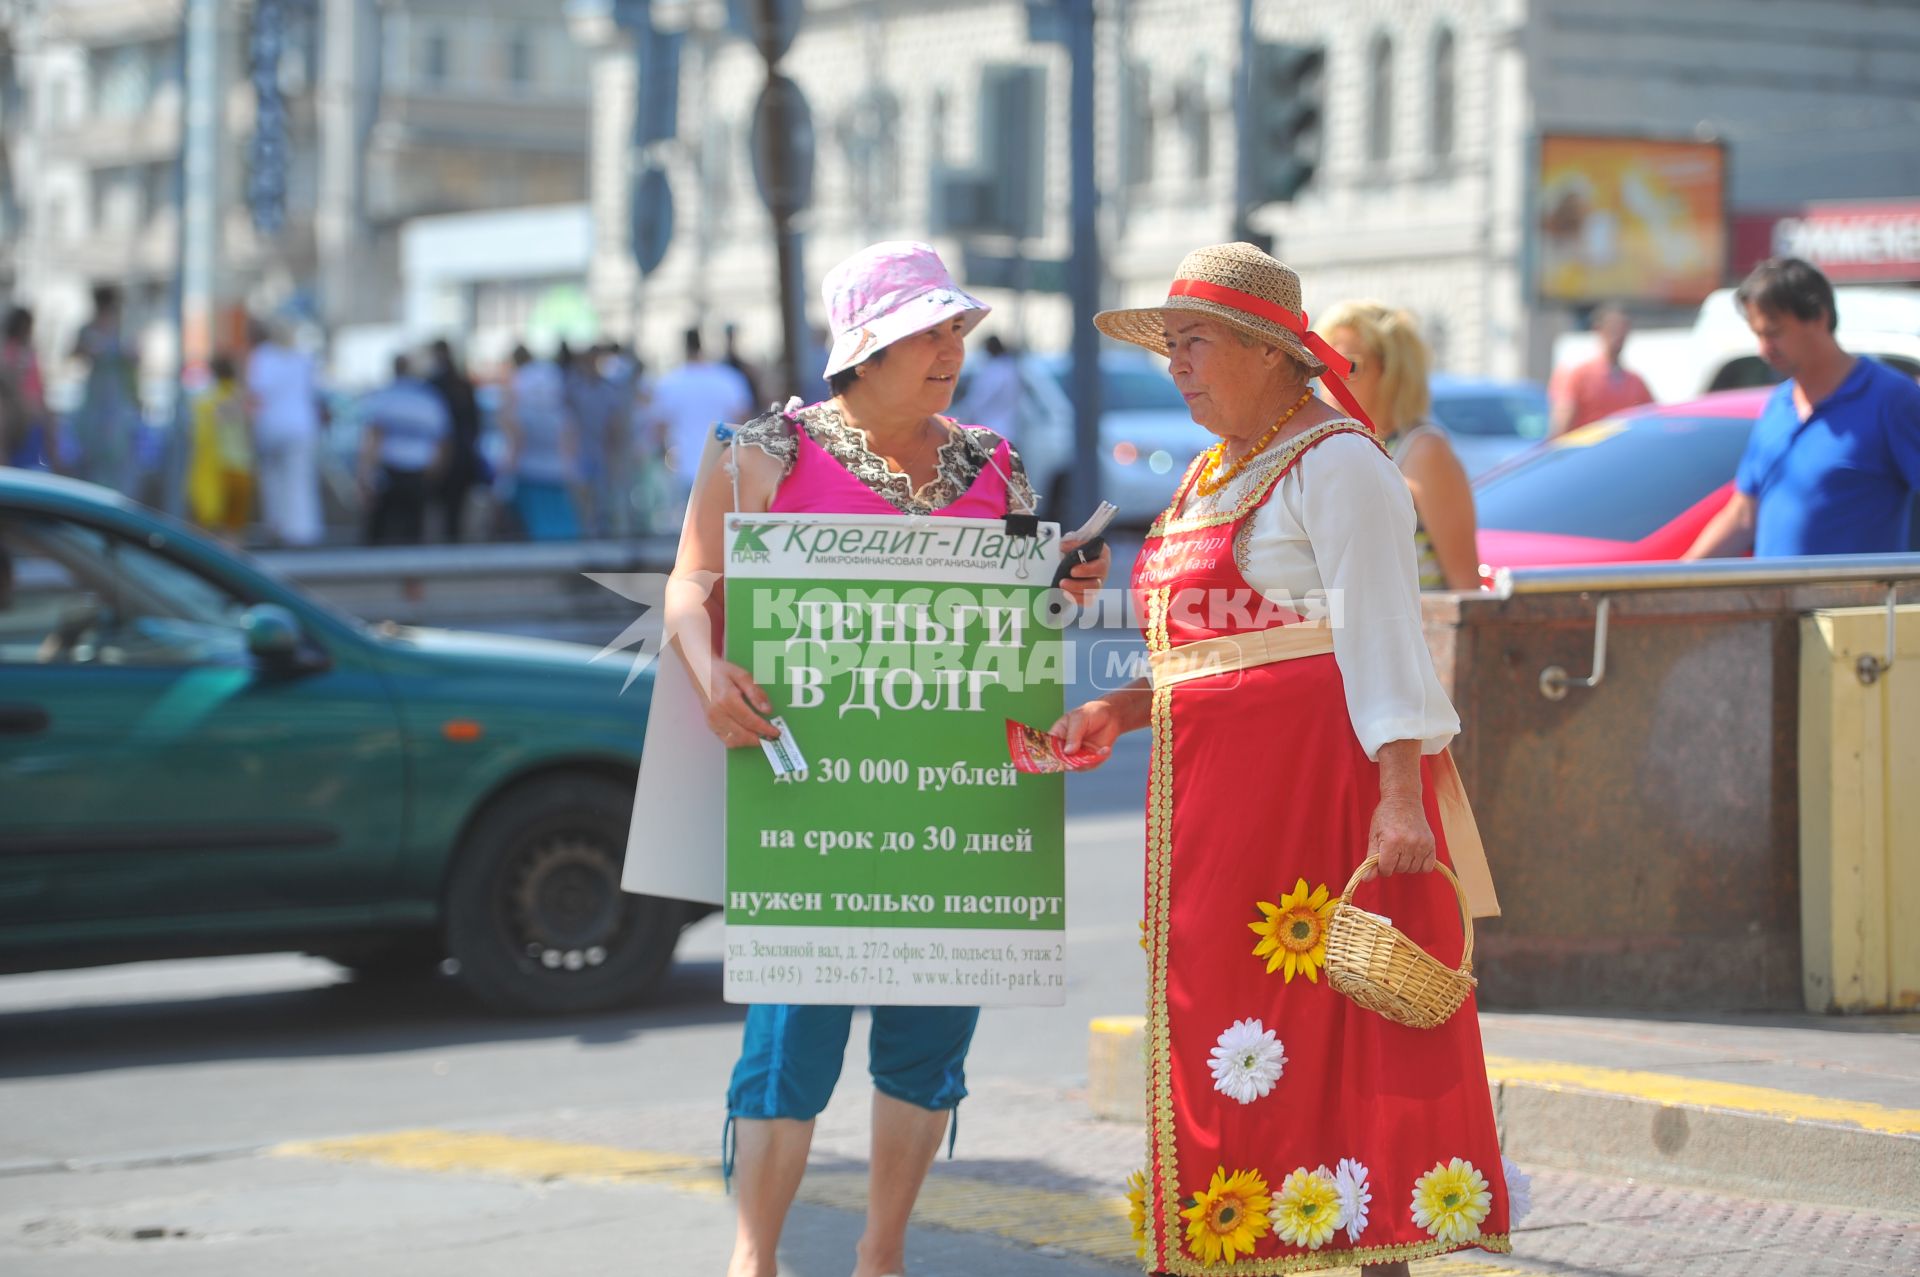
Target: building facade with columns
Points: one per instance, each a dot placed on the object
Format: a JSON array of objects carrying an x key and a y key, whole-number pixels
[
  {"x": 1425, "y": 194},
  {"x": 395, "y": 110}
]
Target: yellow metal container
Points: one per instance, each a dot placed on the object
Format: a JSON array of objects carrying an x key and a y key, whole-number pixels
[{"x": 1860, "y": 811}]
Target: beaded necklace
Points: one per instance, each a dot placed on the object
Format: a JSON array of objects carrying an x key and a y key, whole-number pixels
[{"x": 1211, "y": 481}]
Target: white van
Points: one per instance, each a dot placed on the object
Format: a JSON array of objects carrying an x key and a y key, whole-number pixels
[{"x": 1720, "y": 353}]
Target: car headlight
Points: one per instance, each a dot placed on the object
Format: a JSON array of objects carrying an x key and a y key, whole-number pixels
[
  {"x": 1161, "y": 461},
  {"x": 1124, "y": 453}
]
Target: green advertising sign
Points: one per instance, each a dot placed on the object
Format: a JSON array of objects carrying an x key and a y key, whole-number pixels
[{"x": 908, "y": 863}]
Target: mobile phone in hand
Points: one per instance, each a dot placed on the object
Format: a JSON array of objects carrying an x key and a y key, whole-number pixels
[{"x": 1092, "y": 542}]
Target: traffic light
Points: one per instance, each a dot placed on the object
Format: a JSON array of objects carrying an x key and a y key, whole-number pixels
[
  {"x": 1285, "y": 90},
  {"x": 1002, "y": 191}
]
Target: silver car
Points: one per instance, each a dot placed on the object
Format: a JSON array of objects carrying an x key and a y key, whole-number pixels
[
  {"x": 1147, "y": 438},
  {"x": 1486, "y": 420}
]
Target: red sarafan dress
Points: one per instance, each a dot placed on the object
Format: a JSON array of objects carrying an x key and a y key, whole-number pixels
[{"x": 1289, "y": 1129}]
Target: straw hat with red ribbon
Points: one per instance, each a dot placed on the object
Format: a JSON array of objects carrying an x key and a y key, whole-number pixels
[{"x": 1242, "y": 286}]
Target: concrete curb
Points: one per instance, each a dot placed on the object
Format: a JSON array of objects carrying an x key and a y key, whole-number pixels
[
  {"x": 1747, "y": 1140},
  {"x": 1753, "y": 1154}
]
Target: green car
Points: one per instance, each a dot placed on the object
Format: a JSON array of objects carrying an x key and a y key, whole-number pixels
[{"x": 196, "y": 758}]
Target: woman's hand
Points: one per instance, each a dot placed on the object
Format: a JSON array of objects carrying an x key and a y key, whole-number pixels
[
  {"x": 1086, "y": 578},
  {"x": 736, "y": 707},
  {"x": 1401, "y": 837},
  {"x": 1095, "y": 725}
]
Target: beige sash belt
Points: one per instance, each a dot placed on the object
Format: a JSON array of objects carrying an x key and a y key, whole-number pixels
[{"x": 1232, "y": 652}]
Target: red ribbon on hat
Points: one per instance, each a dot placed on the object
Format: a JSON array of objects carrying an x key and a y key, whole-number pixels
[{"x": 1261, "y": 308}]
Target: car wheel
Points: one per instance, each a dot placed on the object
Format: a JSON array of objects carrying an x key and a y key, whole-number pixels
[{"x": 536, "y": 919}]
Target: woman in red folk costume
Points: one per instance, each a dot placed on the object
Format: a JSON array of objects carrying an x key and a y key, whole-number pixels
[{"x": 1298, "y": 726}]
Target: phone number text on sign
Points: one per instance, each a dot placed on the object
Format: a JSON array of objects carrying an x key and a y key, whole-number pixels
[{"x": 932, "y": 968}]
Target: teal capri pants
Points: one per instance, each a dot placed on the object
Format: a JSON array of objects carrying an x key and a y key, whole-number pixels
[{"x": 791, "y": 1056}]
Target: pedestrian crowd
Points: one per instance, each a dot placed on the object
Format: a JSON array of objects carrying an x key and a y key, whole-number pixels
[
  {"x": 577, "y": 442},
  {"x": 584, "y": 442}
]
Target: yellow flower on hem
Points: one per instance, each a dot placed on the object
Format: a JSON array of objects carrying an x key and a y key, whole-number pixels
[
  {"x": 1293, "y": 936},
  {"x": 1229, "y": 1217},
  {"x": 1137, "y": 1211},
  {"x": 1307, "y": 1211},
  {"x": 1451, "y": 1200}
]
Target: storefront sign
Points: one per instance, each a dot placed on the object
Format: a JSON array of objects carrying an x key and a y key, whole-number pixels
[{"x": 1851, "y": 243}]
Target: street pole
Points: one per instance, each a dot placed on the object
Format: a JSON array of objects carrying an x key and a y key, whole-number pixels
[
  {"x": 1242, "y": 123},
  {"x": 780, "y": 199},
  {"x": 197, "y": 266},
  {"x": 1083, "y": 273}
]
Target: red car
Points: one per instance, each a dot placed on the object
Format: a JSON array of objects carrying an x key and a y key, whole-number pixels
[{"x": 1633, "y": 488}]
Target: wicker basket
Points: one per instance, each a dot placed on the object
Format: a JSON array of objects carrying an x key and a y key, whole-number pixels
[{"x": 1374, "y": 963}]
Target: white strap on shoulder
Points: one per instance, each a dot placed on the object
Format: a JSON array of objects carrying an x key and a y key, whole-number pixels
[{"x": 1417, "y": 433}]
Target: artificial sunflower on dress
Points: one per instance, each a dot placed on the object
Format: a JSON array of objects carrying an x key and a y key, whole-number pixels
[
  {"x": 1137, "y": 1211},
  {"x": 1450, "y": 1200},
  {"x": 1293, "y": 935},
  {"x": 1229, "y": 1217}
]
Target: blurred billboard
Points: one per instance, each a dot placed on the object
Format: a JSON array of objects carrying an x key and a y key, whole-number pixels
[{"x": 1630, "y": 219}]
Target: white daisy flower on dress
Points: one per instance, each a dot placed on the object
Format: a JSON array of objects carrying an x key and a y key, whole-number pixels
[
  {"x": 1519, "y": 1191},
  {"x": 1350, "y": 1181},
  {"x": 1248, "y": 1061}
]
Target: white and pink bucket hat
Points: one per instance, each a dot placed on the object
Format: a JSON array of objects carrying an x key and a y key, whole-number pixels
[{"x": 888, "y": 291}]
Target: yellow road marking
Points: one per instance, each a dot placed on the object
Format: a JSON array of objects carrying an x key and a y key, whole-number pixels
[
  {"x": 1120, "y": 1024},
  {"x": 1087, "y": 1224},
  {"x": 1663, "y": 1088},
  {"x": 430, "y": 1150},
  {"x": 1669, "y": 1088}
]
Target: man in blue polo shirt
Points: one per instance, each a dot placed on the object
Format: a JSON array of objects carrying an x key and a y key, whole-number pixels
[
  {"x": 1834, "y": 460},
  {"x": 403, "y": 447}
]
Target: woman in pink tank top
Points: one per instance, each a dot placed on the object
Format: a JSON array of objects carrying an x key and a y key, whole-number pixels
[{"x": 878, "y": 445}]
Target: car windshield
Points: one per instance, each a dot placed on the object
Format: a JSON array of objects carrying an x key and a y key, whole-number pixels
[
  {"x": 1617, "y": 480},
  {"x": 81, "y": 595},
  {"x": 1142, "y": 387},
  {"x": 1493, "y": 412}
]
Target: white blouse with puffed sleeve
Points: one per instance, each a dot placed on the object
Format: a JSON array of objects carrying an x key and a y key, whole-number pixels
[{"x": 1337, "y": 534}]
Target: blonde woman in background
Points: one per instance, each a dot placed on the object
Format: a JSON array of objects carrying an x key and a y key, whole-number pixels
[{"x": 1390, "y": 367}]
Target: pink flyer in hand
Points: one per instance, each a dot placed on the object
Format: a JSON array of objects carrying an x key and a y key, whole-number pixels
[{"x": 1038, "y": 753}]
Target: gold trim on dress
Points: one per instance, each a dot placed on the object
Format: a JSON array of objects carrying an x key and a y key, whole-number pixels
[
  {"x": 1185, "y": 1265},
  {"x": 1160, "y": 1151},
  {"x": 1289, "y": 454},
  {"x": 1248, "y": 649}
]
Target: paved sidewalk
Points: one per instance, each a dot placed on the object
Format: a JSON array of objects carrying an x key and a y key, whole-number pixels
[
  {"x": 1034, "y": 1192},
  {"x": 1037, "y": 1174},
  {"x": 1811, "y": 1109}
]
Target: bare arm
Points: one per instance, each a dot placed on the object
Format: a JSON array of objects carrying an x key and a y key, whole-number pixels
[
  {"x": 1100, "y": 722},
  {"x": 1401, "y": 836},
  {"x": 1729, "y": 533},
  {"x": 1444, "y": 498},
  {"x": 696, "y": 605}
]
